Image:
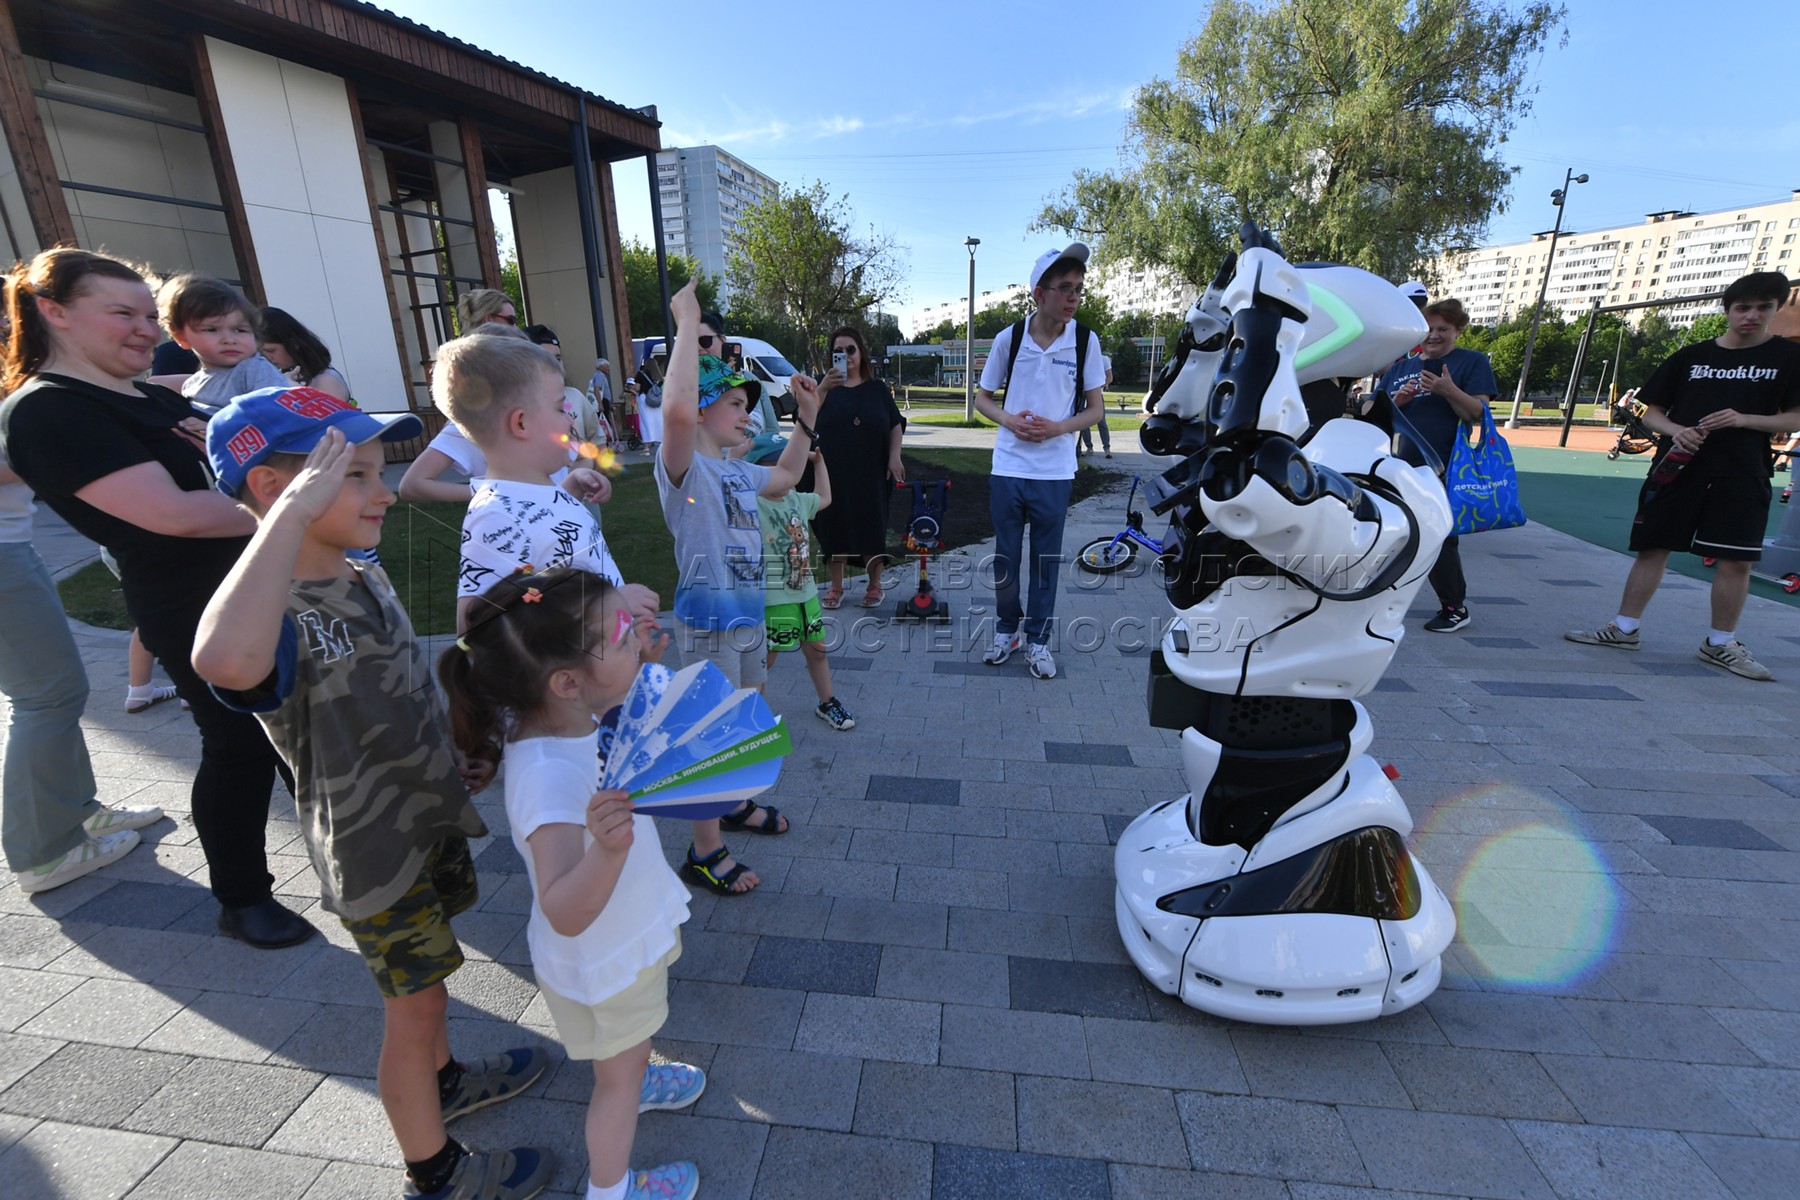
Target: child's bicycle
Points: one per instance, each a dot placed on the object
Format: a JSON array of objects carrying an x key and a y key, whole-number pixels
[
  {"x": 1109, "y": 554},
  {"x": 1634, "y": 436}
]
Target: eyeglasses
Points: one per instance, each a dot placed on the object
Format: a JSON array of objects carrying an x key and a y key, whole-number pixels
[
  {"x": 707, "y": 339},
  {"x": 845, "y": 350},
  {"x": 1072, "y": 290},
  {"x": 509, "y": 318}
]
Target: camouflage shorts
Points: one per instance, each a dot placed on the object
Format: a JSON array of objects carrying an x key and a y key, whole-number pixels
[{"x": 411, "y": 946}]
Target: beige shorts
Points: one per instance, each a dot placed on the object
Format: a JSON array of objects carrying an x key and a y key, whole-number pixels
[
  {"x": 619, "y": 1022},
  {"x": 741, "y": 653}
]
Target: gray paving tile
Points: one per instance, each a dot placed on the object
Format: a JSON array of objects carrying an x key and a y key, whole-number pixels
[
  {"x": 812, "y": 965},
  {"x": 76, "y": 1161},
  {"x": 1767, "y": 1096},
  {"x": 713, "y": 956},
  {"x": 1499, "y": 643},
  {"x": 90, "y": 1085},
  {"x": 952, "y": 886},
  {"x": 888, "y": 922},
  {"x": 20, "y": 1055},
  {"x": 1161, "y": 1183},
  {"x": 1527, "y": 690},
  {"x": 943, "y": 976},
  {"x": 733, "y": 1016},
  {"x": 1277, "y": 1139},
  {"x": 197, "y": 1171},
  {"x": 1673, "y": 979},
  {"x": 1676, "y": 1032},
  {"x": 1617, "y": 1164},
  {"x": 140, "y": 905},
  {"x": 1086, "y": 989},
  {"x": 869, "y": 1027},
  {"x": 919, "y": 849},
  {"x": 1774, "y": 1037},
  {"x": 1508, "y": 1022},
  {"x": 1644, "y": 1094},
  {"x": 781, "y": 1087},
  {"x": 937, "y": 1104},
  {"x": 1710, "y": 831},
  {"x": 1038, "y": 935},
  {"x": 234, "y": 1103},
  {"x": 1440, "y": 1152},
  {"x": 970, "y": 1173},
  {"x": 335, "y": 1039},
  {"x": 766, "y": 912},
  {"x": 31, "y": 941},
  {"x": 805, "y": 1162},
  {"x": 1097, "y": 754},
  {"x": 486, "y": 989},
  {"x": 1750, "y": 1166},
  {"x": 1320, "y": 1068},
  {"x": 222, "y": 1025},
  {"x": 25, "y": 993},
  {"x": 1395, "y": 685},
  {"x": 1163, "y": 1054},
  {"x": 1115, "y": 1122},
  {"x": 352, "y": 1181},
  {"x": 13, "y": 1128},
  {"x": 1491, "y": 1083},
  {"x": 1023, "y": 1043},
  {"x": 913, "y": 790},
  {"x": 1790, "y": 784}
]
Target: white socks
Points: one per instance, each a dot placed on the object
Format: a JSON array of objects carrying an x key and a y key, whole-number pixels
[
  {"x": 1721, "y": 637},
  {"x": 1627, "y": 624},
  {"x": 615, "y": 1192}
]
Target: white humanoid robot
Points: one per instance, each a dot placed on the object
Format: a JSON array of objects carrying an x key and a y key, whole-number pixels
[{"x": 1280, "y": 889}]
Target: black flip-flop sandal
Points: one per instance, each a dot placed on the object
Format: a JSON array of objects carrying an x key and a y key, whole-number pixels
[
  {"x": 740, "y": 821},
  {"x": 700, "y": 871}
]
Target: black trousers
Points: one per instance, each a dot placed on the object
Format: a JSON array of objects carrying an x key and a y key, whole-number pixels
[
  {"x": 238, "y": 766},
  {"x": 1447, "y": 576}
]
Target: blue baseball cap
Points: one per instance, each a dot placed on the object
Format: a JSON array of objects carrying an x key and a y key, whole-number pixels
[
  {"x": 290, "y": 420},
  {"x": 717, "y": 378}
]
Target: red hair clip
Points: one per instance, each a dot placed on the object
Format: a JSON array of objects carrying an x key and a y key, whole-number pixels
[{"x": 532, "y": 596}]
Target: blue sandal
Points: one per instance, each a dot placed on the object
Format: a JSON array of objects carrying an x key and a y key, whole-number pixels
[
  {"x": 740, "y": 821},
  {"x": 700, "y": 871}
]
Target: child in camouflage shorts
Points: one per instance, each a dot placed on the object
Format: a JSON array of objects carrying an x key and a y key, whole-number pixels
[{"x": 319, "y": 648}]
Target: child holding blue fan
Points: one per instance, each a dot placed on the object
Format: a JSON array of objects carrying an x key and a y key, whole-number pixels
[{"x": 545, "y": 656}]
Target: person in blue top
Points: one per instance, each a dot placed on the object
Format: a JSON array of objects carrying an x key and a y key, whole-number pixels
[{"x": 1440, "y": 390}]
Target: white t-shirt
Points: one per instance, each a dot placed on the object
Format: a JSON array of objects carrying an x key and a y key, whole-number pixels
[
  {"x": 1043, "y": 381},
  {"x": 455, "y": 445},
  {"x": 510, "y": 524},
  {"x": 549, "y": 781}
]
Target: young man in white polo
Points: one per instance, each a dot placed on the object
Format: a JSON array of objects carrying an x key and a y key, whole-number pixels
[{"x": 1034, "y": 448}]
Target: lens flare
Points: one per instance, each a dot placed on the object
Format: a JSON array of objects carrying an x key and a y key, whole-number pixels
[
  {"x": 1536, "y": 906},
  {"x": 603, "y": 456}
]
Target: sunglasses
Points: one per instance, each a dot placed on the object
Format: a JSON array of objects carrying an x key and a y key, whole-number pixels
[
  {"x": 509, "y": 319},
  {"x": 848, "y": 350},
  {"x": 706, "y": 340}
]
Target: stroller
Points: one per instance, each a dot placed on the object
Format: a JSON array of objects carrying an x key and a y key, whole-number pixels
[{"x": 1634, "y": 437}]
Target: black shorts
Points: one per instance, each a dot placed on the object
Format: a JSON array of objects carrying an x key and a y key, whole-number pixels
[{"x": 1722, "y": 516}]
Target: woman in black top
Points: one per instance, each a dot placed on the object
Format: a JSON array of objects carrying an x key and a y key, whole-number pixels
[
  {"x": 859, "y": 436},
  {"x": 122, "y": 463}
]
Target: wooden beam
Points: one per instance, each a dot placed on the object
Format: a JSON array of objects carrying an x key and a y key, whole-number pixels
[
  {"x": 44, "y": 199},
  {"x": 237, "y": 220},
  {"x": 615, "y": 267},
  {"x": 475, "y": 169},
  {"x": 381, "y": 247}
]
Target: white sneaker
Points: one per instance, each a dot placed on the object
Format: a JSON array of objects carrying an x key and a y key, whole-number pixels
[
  {"x": 137, "y": 699},
  {"x": 1042, "y": 665},
  {"x": 91, "y": 855},
  {"x": 126, "y": 816},
  {"x": 1003, "y": 647}
]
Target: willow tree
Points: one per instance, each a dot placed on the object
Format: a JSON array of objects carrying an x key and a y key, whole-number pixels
[{"x": 1362, "y": 131}]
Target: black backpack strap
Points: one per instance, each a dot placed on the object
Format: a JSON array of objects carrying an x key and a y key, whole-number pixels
[
  {"x": 1081, "y": 341},
  {"x": 1012, "y": 356}
]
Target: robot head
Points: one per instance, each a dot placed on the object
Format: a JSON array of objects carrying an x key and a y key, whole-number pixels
[{"x": 1360, "y": 323}]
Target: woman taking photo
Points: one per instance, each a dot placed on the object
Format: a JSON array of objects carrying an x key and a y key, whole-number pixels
[
  {"x": 1442, "y": 391},
  {"x": 119, "y": 461},
  {"x": 859, "y": 436}
]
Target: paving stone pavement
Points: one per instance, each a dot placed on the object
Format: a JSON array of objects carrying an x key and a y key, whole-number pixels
[{"x": 927, "y": 997}]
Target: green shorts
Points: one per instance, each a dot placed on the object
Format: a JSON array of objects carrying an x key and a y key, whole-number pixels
[
  {"x": 411, "y": 946},
  {"x": 791, "y": 624}
]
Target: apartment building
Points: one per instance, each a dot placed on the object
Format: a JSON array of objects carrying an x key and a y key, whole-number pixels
[
  {"x": 1129, "y": 287},
  {"x": 1668, "y": 254},
  {"x": 704, "y": 192},
  {"x": 957, "y": 310}
]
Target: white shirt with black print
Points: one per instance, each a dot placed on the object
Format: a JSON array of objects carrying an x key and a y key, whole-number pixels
[{"x": 511, "y": 525}]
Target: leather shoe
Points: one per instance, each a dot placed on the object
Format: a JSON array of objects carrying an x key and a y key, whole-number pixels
[{"x": 265, "y": 925}]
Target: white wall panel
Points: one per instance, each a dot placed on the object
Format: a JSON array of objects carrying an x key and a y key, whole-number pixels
[{"x": 299, "y": 167}]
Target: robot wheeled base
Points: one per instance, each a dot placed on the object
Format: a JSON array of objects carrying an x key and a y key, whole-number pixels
[{"x": 925, "y": 537}]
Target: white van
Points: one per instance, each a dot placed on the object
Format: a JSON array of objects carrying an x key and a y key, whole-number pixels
[{"x": 763, "y": 363}]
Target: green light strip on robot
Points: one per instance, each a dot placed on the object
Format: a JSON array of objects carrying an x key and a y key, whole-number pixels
[{"x": 1349, "y": 328}]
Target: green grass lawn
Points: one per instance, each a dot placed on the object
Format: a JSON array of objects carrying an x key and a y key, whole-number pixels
[
  {"x": 419, "y": 542},
  {"x": 953, "y": 418}
]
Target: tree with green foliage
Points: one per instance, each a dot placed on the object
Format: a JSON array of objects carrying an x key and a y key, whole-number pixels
[
  {"x": 1128, "y": 362},
  {"x": 643, "y": 290},
  {"x": 510, "y": 282},
  {"x": 1360, "y": 131},
  {"x": 797, "y": 263}
]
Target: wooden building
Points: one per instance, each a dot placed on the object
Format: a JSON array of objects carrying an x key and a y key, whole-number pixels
[{"x": 331, "y": 158}]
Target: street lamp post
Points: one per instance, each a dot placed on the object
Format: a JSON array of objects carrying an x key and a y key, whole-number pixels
[
  {"x": 969, "y": 347},
  {"x": 1537, "y": 314}
]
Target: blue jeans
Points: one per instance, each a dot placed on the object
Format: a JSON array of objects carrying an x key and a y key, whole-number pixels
[
  {"x": 49, "y": 783},
  {"x": 1013, "y": 504}
]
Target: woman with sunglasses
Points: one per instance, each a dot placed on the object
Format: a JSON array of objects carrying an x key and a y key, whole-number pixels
[
  {"x": 860, "y": 428},
  {"x": 483, "y": 306}
]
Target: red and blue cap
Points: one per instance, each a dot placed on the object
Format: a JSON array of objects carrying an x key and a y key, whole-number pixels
[{"x": 290, "y": 420}]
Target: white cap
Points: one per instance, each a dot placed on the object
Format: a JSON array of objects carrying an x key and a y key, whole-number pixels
[
  {"x": 1415, "y": 291},
  {"x": 1077, "y": 251}
]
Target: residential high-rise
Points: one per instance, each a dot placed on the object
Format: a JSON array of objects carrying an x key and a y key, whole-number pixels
[
  {"x": 1668, "y": 254},
  {"x": 705, "y": 192}
]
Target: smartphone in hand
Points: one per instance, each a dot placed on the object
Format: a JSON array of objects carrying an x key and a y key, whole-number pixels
[{"x": 840, "y": 362}]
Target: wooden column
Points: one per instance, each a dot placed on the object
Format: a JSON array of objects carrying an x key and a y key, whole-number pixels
[
  {"x": 615, "y": 268},
  {"x": 475, "y": 169},
  {"x": 381, "y": 246},
  {"x": 44, "y": 200},
  {"x": 237, "y": 221}
]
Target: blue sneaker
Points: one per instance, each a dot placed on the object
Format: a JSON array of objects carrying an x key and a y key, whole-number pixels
[
  {"x": 495, "y": 1078},
  {"x": 672, "y": 1181},
  {"x": 517, "y": 1174},
  {"x": 668, "y": 1086}
]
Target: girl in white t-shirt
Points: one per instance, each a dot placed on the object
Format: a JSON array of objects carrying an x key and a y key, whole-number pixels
[{"x": 545, "y": 656}]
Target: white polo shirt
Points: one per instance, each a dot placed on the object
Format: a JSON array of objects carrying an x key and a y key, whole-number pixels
[{"x": 1043, "y": 381}]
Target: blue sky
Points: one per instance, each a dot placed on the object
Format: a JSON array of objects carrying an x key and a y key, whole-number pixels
[{"x": 943, "y": 122}]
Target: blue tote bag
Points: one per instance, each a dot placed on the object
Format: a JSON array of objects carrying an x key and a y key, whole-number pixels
[{"x": 1483, "y": 487}]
